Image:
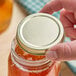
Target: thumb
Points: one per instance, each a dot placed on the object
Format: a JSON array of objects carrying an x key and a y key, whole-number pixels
[{"x": 62, "y": 51}]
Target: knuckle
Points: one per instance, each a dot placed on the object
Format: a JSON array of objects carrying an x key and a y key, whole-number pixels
[{"x": 63, "y": 12}]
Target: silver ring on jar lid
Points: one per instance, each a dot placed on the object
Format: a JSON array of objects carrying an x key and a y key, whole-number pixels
[{"x": 39, "y": 32}]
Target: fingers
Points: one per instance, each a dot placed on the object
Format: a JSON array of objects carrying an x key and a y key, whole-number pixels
[
  {"x": 63, "y": 51},
  {"x": 69, "y": 5},
  {"x": 69, "y": 15},
  {"x": 75, "y": 15},
  {"x": 68, "y": 21},
  {"x": 56, "y": 5},
  {"x": 72, "y": 39}
]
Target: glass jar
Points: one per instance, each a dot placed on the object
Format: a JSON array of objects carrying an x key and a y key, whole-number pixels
[
  {"x": 28, "y": 50},
  {"x": 5, "y": 14},
  {"x": 21, "y": 63}
]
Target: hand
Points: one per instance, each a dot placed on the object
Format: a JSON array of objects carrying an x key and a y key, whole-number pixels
[{"x": 63, "y": 51}]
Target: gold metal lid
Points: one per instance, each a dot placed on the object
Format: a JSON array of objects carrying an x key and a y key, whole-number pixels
[{"x": 39, "y": 32}]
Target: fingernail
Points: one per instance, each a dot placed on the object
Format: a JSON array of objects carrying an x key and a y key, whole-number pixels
[{"x": 51, "y": 55}]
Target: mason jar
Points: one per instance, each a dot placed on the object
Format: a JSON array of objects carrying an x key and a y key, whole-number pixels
[{"x": 35, "y": 35}]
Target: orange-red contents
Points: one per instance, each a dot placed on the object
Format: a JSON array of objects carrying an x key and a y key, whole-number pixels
[
  {"x": 13, "y": 70},
  {"x": 27, "y": 56}
]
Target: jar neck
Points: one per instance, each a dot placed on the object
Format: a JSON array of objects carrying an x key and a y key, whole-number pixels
[
  {"x": 30, "y": 50},
  {"x": 28, "y": 65}
]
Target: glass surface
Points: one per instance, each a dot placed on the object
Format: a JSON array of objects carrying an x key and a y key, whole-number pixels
[{"x": 18, "y": 69}]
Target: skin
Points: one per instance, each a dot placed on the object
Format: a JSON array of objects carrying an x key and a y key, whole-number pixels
[{"x": 63, "y": 51}]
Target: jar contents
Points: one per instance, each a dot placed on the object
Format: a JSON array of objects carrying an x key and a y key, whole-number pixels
[
  {"x": 15, "y": 71},
  {"x": 5, "y": 14},
  {"x": 28, "y": 56}
]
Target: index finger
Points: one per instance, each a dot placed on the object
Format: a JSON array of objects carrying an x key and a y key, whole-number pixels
[
  {"x": 56, "y": 5},
  {"x": 52, "y": 6}
]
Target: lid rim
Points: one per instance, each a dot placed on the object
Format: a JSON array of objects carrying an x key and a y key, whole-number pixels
[{"x": 57, "y": 40}]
